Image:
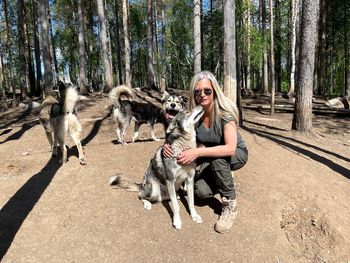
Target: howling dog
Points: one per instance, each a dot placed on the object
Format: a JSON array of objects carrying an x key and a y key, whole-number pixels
[
  {"x": 126, "y": 110},
  {"x": 59, "y": 118},
  {"x": 164, "y": 176}
]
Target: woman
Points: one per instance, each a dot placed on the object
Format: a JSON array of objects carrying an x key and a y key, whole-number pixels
[{"x": 224, "y": 150}]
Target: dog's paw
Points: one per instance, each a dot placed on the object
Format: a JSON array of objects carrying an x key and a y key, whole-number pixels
[
  {"x": 146, "y": 204},
  {"x": 177, "y": 222},
  {"x": 196, "y": 218},
  {"x": 82, "y": 161}
]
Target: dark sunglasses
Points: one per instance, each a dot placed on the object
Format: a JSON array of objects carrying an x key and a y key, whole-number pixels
[{"x": 207, "y": 92}]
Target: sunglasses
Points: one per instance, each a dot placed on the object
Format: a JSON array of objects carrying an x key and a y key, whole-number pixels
[{"x": 207, "y": 92}]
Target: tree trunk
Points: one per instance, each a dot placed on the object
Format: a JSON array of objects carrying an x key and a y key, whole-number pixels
[
  {"x": 45, "y": 36},
  {"x": 22, "y": 50},
  {"x": 197, "y": 35},
  {"x": 119, "y": 56},
  {"x": 52, "y": 44},
  {"x": 302, "y": 118},
  {"x": 2, "y": 88},
  {"x": 265, "y": 77},
  {"x": 230, "y": 79},
  {"x": 322, "y": 52},
  {"x": 103, "y": 41},
  {"x": 126, "y": 44},
  {"x": 294, "y": 15},
  {"x": 272, "y": 56},
  {"x": 82, "y": 52},
  {"x": 37, "y": 49},
  {"x": 9, "y": 52},
  {"x": 346, "y": 53},
  {"x": 150, "y": 68},
  {"x": 163, "y": 77}
]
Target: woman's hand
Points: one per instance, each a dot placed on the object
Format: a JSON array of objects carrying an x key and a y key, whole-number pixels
[
  {"x": 187, "y": 156},
  {"x": 167, "y": 151}
]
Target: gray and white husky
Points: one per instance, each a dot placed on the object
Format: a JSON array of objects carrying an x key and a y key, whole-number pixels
[
  {"x": 164, "y": 176},
  {"x": 59, "y": 118},
  {"x": 126, "y": 110}
]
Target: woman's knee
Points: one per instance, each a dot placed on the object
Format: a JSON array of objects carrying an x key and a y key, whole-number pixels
[{"x": 202, "y": 189}]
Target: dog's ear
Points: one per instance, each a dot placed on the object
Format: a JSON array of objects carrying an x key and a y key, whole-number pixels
[{"x": 164, "y": 96}]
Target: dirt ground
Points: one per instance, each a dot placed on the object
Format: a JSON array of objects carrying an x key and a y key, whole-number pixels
[{"x": 293, "y": 196}]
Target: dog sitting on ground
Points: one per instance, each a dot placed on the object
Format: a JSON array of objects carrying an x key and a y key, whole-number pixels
[
  {"x": 125, "y": 110},
  {"x": 165, "y": 176},
  {"x": 58, "y": 117}
]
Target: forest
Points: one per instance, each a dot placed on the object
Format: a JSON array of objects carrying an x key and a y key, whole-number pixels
[{"x": 265, "y": 46}]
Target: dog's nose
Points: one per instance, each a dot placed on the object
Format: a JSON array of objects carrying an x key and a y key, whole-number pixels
[{"x": 173, "y": 105}]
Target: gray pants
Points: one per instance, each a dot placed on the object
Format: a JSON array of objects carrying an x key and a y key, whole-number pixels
[{"x": 214, "y": 175}]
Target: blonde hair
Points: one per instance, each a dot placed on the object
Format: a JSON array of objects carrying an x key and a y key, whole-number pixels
[{"x": 223, "y": 108}]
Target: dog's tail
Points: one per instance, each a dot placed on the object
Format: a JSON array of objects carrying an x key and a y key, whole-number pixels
[
  {"x": 123, "y": 183},
  {"x": 70, "y": 99},
  {"x": 116, "y": 94}
]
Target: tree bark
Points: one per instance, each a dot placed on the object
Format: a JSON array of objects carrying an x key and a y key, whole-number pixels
[
  {"x": 45, "y": 36},
  {"x": 294, "y": 15},
  {"x": 103, "y": 41},
  {"x": 230, "y": 60},
  {"x": 163, "y": 77},
  {"x": 127, "y": 49},
  {"x": 197, "y": 35},
  {"x": 272, "y": 56},
  {"x": 302, "y": 118},
  {"x": 119, "y": 56},
  {"x": 82, "y": 52},
  {"x": 150, "y": 68},
  {"x": 22, "y": 50}
]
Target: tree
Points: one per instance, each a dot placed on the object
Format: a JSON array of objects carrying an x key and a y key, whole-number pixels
[
  {"x": 45, "y": 36},
  {"x": 119, "y": 55},
  {"x": 302, "y": 118},
  {"x": 22, "y": 50},
  {"x": 197, "y": 35},
  {"x": 294, "y": 15},
  {"x": 127, "y": 49},
  {"x": 150, "y": 69},
  {"x": 38, "y": 90},
  {"x": 103, "y": 41},
  {"x": 82, "y": 52},
  {"x": 272, "y": 56},
  {"x": 265, "y": 80},
  {"x": 230, "y": 78},
  {"x": 163, "y": 75}
]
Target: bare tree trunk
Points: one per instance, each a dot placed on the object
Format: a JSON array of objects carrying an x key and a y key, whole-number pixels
[
  {"x": 197, "y": 35},
  {"x": 8, "y": 48},
  {"x": 2, "y": 88},
  {"x": 150, "y": 68},
  {"x": 45, "y": 36},
  {"x": 37, "y": 49},
  {"x": 30, "y": 66},
  {"x": 119, "y": 55},
  {"x": 103, "y": 40},
  {"x": 52, "y": 44},
  {"x": 302, "y": 118},
  {"x": 82, "y": 52},
  {"x": 230, "y": 59},
  {"x": 247, "y": 20},
  {"x": 126, "y": 44},
  {"x": 163, "y": 77},
  {"x": 272, "y": 54},
  {"x": 22, "y": 50},
  {"x": 346, "y": 53},
  {"x": 295, "y": 4},
  {"x": 265, "y": 76}
]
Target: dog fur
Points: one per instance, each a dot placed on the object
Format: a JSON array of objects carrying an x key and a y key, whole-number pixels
[
  {"x": 58, "y": 117},
  {"x": 165, "y": 176},
  {"x": 125, "y": 110}
]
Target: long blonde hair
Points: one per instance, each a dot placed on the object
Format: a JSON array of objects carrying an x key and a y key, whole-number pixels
[{"x": 224, "y": 108}]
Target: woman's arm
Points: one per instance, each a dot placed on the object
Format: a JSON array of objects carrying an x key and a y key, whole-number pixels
[{"x": 227, "y": 149}]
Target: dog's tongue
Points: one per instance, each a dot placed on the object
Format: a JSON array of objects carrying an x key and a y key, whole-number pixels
[{"x": 169, "y": 116}]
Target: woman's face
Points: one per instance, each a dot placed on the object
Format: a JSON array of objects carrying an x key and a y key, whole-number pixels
[{"x": 203, "y": 93}]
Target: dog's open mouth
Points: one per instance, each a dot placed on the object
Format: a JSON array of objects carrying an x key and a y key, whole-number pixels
[{"x": 170, "y": 114}]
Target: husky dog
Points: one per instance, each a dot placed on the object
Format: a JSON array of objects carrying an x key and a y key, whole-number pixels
[
  {"x": 126, "y": 110},
  {"x": 164, "y": 176},
  {"x": 58, "y": 117}
]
